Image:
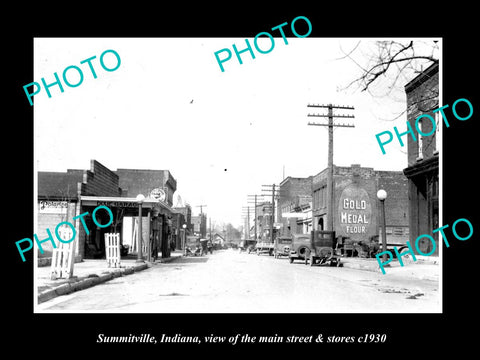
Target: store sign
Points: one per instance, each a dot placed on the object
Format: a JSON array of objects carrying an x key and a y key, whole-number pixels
[
  {"x": 118, "y": 204},
  {"x": 52, "y": 207},
  {"x": 158, "y": 194},
  {"x": 355, "y": 212}
]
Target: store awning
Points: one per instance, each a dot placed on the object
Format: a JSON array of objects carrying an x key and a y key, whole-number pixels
[{"x": 123, "y": 202}]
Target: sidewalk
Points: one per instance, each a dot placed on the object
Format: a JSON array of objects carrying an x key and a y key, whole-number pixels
[
  {"x": 88, "y": 273},
  {"x": 426, "y": 267}
]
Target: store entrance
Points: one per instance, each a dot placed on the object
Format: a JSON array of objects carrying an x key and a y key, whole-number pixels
[{"x": 95, "y": 239}]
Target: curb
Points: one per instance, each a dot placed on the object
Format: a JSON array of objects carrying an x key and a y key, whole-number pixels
[
  {"x": 373, "y": 267},
  {"x": 359, "y": 266},
  {"x": 87, "y": 282}
]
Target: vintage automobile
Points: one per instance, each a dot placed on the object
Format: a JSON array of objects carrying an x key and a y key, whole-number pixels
[
  {"x": 192, "y": 246},
  {"x": 323, "y": 248},
  {"x": 264, "y": 248},
  {"x": 282, "y": 246},
  {"x": 203, "y": 246},
  {"x": 300, "y": 247},
  {"x": 206, "y": 246},
  {"x": 247, "y": 245}
]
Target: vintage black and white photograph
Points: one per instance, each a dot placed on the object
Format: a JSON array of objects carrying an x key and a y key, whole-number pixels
[{"x": 268, "y": 174}]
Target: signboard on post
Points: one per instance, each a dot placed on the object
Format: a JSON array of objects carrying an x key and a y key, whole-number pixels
[{"x": 62, "y": 256}]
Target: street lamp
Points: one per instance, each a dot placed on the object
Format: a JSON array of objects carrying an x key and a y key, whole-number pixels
[
  {"x": 184, "y": 226},
  {"x": 382, "y": 195},
  {"x": 139, "y": 199}
]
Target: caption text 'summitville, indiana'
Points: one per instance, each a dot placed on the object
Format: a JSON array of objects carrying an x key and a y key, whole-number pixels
[{"x": 352, "y": 238}]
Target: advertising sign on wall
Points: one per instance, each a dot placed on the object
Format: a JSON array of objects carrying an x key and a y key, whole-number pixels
[
  {"x": 52, "y": 207},
  {"x": 355, "y": 212}
]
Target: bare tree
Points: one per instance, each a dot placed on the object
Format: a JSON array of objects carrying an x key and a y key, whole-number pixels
[{"x": 392, "y": 61}]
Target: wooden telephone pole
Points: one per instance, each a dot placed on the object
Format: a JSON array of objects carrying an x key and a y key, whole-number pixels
[
  {"x": 201, "y": 208},
  {"x": 331, "y": 125},
  {"x": 246, "y": 214},
  {"x": 270, "y": 189},
  {"x": 201, "y": 221},
  {"x": 255, "y": 197}
]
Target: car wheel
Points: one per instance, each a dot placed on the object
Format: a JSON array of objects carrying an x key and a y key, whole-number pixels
[{"x": 406, "y": 258}]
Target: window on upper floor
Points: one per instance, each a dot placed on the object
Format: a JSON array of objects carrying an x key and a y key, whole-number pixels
[{"x": 420, "y": 141}]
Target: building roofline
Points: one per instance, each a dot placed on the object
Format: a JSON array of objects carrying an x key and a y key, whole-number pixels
[{"x": 422, "y": 77}]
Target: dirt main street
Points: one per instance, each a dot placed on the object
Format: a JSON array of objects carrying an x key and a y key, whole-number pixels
[{"x": 231, "y": 282}]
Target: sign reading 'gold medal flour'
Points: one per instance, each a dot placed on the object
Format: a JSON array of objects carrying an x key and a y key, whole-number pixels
[{"x": 355, "y": 212}]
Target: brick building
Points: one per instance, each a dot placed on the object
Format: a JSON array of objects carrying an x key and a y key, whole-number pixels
[
  {"x": 294, "y": 208},
  {"x": 64, "y": 195},
  {"x": 423, "y": 163},
  {"x": 58, "y": 196},
  {"x": 355, "y": 212},
  {"x": 199, "y": 223},
  {"x": 153, "y": 184},
  {"x": 262, "y": 220},
  {"x": 182, "y": 216},
  {"x": 147, "y": 182}
]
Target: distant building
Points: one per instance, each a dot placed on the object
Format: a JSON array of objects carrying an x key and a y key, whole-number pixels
[
  {"x": 423, "y": 164},
  {"x": 294, "y": 208},
  {"x": 199, "y": 223},
  {"x": 262, "y": 221},
  {"x": 182, "y": 216}
]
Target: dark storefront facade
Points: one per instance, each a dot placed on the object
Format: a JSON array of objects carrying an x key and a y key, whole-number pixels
[
  {"x": 65, "y": 195},
  {"x": 155, "y": 216},
  {"x": 423, "y": 158}
]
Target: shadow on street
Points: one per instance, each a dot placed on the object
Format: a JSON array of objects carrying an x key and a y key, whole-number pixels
[{"x": 191, "y": 259}]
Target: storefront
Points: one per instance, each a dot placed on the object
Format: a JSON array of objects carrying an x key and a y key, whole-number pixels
[
  {"x": 423, "y": 157},
  {"x": 125, "y": 212},
  {"x": 64, "y": 196}
]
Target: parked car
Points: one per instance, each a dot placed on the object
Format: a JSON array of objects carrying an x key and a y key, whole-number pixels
[
  {"x": 323, "y": 248},
  {"x": 247, "y": 245},
  {"x": 192, "y": 246},
  {"x": 264, "y": 248},
  {"x": 300, "y": 247},
  {"x": 282, "y": 246}
]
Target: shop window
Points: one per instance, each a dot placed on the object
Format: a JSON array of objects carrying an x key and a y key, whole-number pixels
[{"x": 420, "y": 141}]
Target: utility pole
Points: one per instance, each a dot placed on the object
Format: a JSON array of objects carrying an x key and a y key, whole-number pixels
[
  {"x": 201, "y": 221},
  {"x": 247, "y": 222},
  {"x": 210, "y": 229},
  {"x": 201, "y": 208},
  {"x": 255, "y": 209},
  {"x": 271, "y": 188},
  {"x": 331, "y": 125}
]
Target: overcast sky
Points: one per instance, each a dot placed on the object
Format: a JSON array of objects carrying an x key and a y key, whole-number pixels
[{"x": 243, "y": 127}]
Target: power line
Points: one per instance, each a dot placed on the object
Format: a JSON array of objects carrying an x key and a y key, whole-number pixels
[{"x": 330, "y": 125}]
